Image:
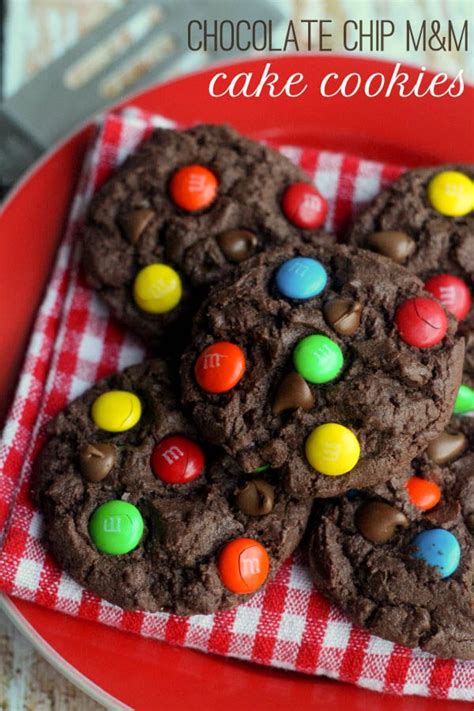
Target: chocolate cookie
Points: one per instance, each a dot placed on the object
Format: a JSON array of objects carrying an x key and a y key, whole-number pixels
[
  {"x": 181, "y": 212},
  {"x": 400, "y": 564},
  {"x": 139, "y": 513},
  {"x": 425, "y": 221},
  {"x": 323, "y": 361}
]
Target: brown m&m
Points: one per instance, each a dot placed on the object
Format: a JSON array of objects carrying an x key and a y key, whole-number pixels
[
  {"x": 238, "y": 245},
  {"x": 343, "y": 315},
  {"x": 96, "y": 460},
  {"x": 255, "y": 498},
  {"x": 446, "y": 447},
  {"x": 378, "y": 521},
  {"x": 293, "y": 392},
  {"x": 134, "y": 223},
  {"x": 398, "y": 246}
]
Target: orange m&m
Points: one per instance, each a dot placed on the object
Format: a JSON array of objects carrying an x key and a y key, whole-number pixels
[
  {"x": 422, "y": 493},
  {"x": 219, "y": 367},
  {"x": 243, "y": 565},
  {"x": 193, "y": 187}
]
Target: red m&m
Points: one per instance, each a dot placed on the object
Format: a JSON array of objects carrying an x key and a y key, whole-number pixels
[
  {"x": 422, "y": 493},
  {"x": 304, "y": 206},
  {"x": 193, "y": 187},
  {"x": 243, "y": 565},
  {"x": 453, "y": 293},
  {"x": 219, "y": 367},
  {"x": 177, "y": 460},
  {"x": 421, "y": 322}
]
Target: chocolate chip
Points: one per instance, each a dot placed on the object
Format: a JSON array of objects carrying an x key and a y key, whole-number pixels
[
  {"x": 96, "y": 460},
  {"x": 343, "y": 315},
  {"x": 134, "y": 222},
  {"x": 446, "y": 447},
  {"x": 238, "y": 245},
  {"x": 377, "y": 521},
  {"x": 470, "y": 522},
  {"x": 293, "y": 392},
  {"x": 444, "y": 513},
  {"x": 256, "y": 498},
  {"x": 396, "y": 245}
]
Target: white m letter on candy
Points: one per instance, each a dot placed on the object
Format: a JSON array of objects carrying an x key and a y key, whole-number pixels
[
  {"x": 172, "y": 454},
  {"x": 213, "y": 360},
  {"x": 112, "y": 524},
  {"x": 447, "y": 295},
  {"x": 250, "y": 566},
  {"x": 196, "y": 183}
]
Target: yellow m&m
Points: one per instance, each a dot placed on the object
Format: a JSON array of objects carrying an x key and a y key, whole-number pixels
[
  {"x": 157, "y": 289},
  {"x": 451, "y": 193},
  {"x": 116, "y": 411},
  {"x": 332, "y": 449}
]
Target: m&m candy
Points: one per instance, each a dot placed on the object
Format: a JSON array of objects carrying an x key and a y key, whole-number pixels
[
  {"x": 304, "y": 206},
  {"x": 177, "y": 460},
  {"x": 451, "y": 193},
  {"x": 464, "y": 400},
  {"x": 422, "y": 493},
  {"x": 193, "y": 188},
  {"x": 116, "y": 527},
  {"x": 116, "y": 411},
  {"x": 453, "y": 293},
  {"x": 157, "y": 289},
  {"x": 421, "y": 322},
  {"x": 243, "y": 565},
  {"x": 318, "y": 359},
  {"x": 219, "y": 367},
  {"x": 301, "y": 278},
  {"x": 332, "y": 449},
  {"x": 439, "y": 549}
]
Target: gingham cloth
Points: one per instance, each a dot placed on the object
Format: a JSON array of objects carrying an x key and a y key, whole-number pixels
[{"x": 74, "y": 343}]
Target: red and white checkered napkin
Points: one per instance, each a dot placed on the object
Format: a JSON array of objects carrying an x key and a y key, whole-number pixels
[{"x": 74, "y": 343}]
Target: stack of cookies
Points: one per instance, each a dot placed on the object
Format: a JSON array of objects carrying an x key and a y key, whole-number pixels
[{"x": 300, "y": 390}]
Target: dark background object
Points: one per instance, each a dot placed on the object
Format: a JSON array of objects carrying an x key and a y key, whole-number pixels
[{"x": 136, "y": 46}]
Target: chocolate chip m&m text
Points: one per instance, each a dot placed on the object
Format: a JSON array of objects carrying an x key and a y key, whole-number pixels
[{"x": 328, "y": 35}]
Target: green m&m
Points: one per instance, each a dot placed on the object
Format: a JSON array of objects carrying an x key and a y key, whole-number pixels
[
  {"x": 318, "y": 359},
  {"x": 464, "y": 400},
  {"x": 116, "y": 527}
]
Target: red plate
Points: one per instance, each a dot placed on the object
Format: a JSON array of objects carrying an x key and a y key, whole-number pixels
[{"x": 137, "y": 672}]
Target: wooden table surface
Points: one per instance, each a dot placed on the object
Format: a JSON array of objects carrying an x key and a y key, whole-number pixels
[{"x": 36, "y": 32}]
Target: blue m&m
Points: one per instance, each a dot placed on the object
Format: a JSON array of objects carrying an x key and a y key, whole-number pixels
[
  {"x": 438, "y": 548},
  {"x": 301, "y": 278}
]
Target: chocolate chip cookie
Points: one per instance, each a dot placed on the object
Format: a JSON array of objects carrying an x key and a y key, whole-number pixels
[
  {"x": 137, "y": 511},
  {"x": 181, "y": 212},
  {"x": 425, "y": 221},
  {"x": 400, "y": 559},
  {"x": 328, "y": 362}
]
